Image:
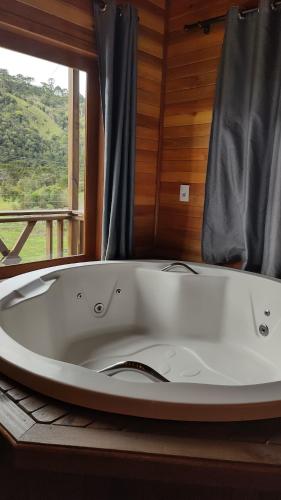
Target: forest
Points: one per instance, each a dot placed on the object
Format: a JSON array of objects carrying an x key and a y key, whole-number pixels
[{"x": 33, "y": 143}]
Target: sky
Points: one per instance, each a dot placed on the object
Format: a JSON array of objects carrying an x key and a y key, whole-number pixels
[{"x": 39, "y": 69}]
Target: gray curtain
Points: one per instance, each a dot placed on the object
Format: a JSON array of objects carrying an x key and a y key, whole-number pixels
[
  {"x": 242, "y": 215},
  {"x": 116, "y": 29}
]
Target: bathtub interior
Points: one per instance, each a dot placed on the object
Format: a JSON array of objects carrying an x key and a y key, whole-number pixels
[{"x": 190, "y": 328}]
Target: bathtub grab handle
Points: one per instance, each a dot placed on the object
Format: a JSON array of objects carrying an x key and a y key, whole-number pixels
[
  {"x": 179, "y": 264},
  {"x": 133, "y": 366}
]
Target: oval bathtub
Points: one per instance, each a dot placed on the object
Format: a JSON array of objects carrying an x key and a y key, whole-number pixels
[{"x": 215, "y": 337}]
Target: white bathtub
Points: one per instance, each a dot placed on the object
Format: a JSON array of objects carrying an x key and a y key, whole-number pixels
[{"x": 215, "y": 336}]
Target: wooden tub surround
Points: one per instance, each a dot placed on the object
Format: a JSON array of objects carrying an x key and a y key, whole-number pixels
[{"x": 60, "y": 451}]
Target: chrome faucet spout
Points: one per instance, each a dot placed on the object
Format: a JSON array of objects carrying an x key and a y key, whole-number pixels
[{"x": 179, "y": 264}]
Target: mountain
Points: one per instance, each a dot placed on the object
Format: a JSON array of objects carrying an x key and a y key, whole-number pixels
[{"x": 33, "y": 142}]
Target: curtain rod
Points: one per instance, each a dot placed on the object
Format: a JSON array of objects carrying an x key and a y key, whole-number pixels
[
  {"x": 103, "y": 7},
  {"x": 207, "y": 23}
]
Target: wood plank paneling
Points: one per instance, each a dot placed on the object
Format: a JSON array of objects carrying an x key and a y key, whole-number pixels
[
  {"x": 85, "y": 445},
  {"x": 69, "y": 25},
  {"x": 12, "y": 418},
  {"x": 192, "y": 63},
  {"x": 150, "y": 78},
  {"x": 48, "y": 25}
]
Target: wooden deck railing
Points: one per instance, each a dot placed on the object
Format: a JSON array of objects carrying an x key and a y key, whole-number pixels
[{"x": 75, "y": 232}]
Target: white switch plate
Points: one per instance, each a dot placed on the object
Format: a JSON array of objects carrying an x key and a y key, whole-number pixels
[{"x": 184, "y": 192}]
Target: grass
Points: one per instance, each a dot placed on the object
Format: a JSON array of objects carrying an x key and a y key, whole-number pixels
[
  {"x": 4, "y": 205},
  {"x": 40, "y": 119},
  {"x": 34, "y": 249}
]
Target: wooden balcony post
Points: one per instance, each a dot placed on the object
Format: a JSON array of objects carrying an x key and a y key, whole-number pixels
[
  {"x": 3, "y": 248},
  {"x": 49, "y": 239},
  {"x": 73, "y": 155},
  {"x": 81, "y": 231},
  {"x": 60, "y": 238}
]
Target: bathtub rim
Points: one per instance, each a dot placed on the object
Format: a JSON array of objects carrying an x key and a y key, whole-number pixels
[{"x": 57, "y": 379}]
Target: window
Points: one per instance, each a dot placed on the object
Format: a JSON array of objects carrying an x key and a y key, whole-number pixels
[{"x": 43, "y": 151}]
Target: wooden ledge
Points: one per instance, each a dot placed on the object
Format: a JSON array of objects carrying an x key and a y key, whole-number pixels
[{"x": 34, "y": 426}]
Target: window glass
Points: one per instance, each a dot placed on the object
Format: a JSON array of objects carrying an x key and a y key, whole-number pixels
[{"x": 42, "y": 159}]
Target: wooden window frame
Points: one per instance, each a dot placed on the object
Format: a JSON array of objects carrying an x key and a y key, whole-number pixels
[{"x": 31, "y": 44}]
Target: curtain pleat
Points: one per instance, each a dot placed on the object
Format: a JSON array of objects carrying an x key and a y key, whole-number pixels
[
  {"x": 242, "y": 213},
  {"x": 116, "y": 30}
]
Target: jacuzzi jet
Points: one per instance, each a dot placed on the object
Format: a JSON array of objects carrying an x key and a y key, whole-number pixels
[
  {"x": 99, "y": 308},
  {"x": 264, "y": 330}
]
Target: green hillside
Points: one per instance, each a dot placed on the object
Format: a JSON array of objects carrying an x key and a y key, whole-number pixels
[{"x": 33, "y": 143}]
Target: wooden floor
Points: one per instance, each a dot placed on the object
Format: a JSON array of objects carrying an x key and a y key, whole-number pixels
[{"x": 76, "y": 452}]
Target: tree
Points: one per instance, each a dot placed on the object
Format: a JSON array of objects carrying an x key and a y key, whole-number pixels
[{"x": 33, "y": 142}]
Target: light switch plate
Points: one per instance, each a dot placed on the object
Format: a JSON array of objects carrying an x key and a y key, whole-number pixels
[{"x": 184, "y": 192}]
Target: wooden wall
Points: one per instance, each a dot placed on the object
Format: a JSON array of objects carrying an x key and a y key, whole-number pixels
[
  {"x": 68, "y": 24},
  {"x": 150, "y": 72},
  {"x": 192, "y": 62},
  {"x": 176, "y": 78}
]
